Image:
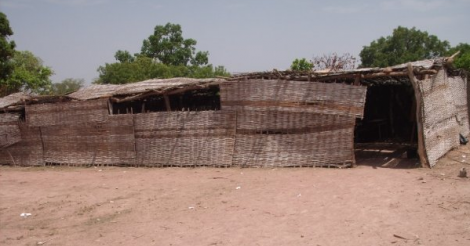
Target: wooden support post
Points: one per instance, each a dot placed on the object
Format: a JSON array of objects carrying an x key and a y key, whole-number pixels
[
  {"x": 419, "y": 120},
  {"x": 357, "y": 80},
  {"x": 390, "y": 111},
  {"x": 143, "y": 108},
  {"x": 110, "y": 107},
  {"x": 167, "y": 102}
]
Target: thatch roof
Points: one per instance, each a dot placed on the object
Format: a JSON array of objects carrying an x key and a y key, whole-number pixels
[
  {"x": 13, "y": 99},
  {"x": 94, "y": 92},
  {"x": 16, "y": 101},
  {"x": 423, "y": 64},
  {"x": 393, "y": 74},
  {"x": 138, "y": 89}
]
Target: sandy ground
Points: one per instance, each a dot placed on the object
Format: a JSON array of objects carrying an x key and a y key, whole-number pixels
[{"x": 367, "y": 205}]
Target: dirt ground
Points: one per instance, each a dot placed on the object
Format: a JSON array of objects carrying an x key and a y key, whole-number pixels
[{"x": 367, "y": 205}]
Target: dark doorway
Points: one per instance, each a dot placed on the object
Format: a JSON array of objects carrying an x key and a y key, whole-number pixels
[{"x": 387, "y": 135}]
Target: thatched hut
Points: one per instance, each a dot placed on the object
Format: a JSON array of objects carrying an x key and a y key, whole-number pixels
[{"x": 279, "y": 118}]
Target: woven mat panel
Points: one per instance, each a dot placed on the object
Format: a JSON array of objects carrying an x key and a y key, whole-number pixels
[
  {"x": 27, "y": 152},
  {"x": 294, "y": 96},
  {"x": 107, "y": 143},
  {"x": 327, "y": 148},
  {"x": 458, "y": 86},
  {"x": 67, "y": 113},
  {"x": 9, "y": 129},
  {"x": 283, "y": 122},
  {"x": 440, "y": 127},
  {"x": 441, "y": 139},
  {"x": 204, "y": 138},
  {"x": 9, "y": 118}
]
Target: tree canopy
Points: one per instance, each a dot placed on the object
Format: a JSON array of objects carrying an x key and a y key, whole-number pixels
[
  {"x": 463, "y": 59},
  {"x": 168, "y": 46},
  {"x": 124, "y": 56},
  {"x": 404, "y": 45},
  {"x": 20, "y": 70},
  {"x": 301, "y": 65},
  {"x": 66, "y": 86},
  {"x": 164, "y": 54},
  {"x": 142, "y": 68},
  {"x": 7, "y": 50},
  {"x": 29, "y": 74}
]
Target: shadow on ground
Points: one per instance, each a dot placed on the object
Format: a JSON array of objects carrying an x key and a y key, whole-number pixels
[{"x": 384, "y": 155}]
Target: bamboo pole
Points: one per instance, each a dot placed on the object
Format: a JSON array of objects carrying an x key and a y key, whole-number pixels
[
  {"x": 419, "y": 121},
  {"x": 357, "y": 80},
  {"x": 167, "y": 102},
  {"x": 110, "y": 107}
]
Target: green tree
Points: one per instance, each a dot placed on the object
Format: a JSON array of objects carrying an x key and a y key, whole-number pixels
[
  {"x": 208, "y": 71},
  {"x": 165, "y": 54},
  {"x": 463, "y": 59},
  {"x": 301, "y": 65},
  {"x": 404, "y": 45},
  {"x": 143, "y": 68},
  {"x": 124, "y": 56},
  {"x": 7, "y": 50},
  {"x": 167, "y": 45},
  {"x": 29, "y": 74},
  {"x": 66, "y": 86},
  {"x": 221, "y": 71}
]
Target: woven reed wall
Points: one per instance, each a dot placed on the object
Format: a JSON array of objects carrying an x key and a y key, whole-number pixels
[
  {"x": 69, "y": 113},
  {"x": 440, "y": 127},
  {"x": 204, "y": 138},
  {"x": 83, "y": 133},
  {"x": 96, "y": 143},
  {"x": 281, "y": 139},
  {"x": 291, "y": 123},
  {"x": 458, "y": 86},
  {"x": 294, "y": 96},
  {"x": 27, "y": 152},
  {"x": 9, "y": 118},
  {"x": 9, "y": 129}
]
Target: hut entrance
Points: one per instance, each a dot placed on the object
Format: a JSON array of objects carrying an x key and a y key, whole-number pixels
[
  {"x": 387, "y": 135},
  {"x": 205, "y": 99}
]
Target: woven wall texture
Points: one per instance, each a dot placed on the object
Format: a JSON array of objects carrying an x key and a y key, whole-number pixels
[
  {"x": 204, "y": 138},
  {"x": 440, "y": 126},
  {"x": 95, "y": 143},
  {"x": 327, "y": 148},
  {"x": 291, "y": 123},
  {"x": 27, "y": 152},
  {"x": 9, "y": 129},
  {"x": 294, "y": 96},
  {"x": 70, "y": 113},
  {"x": 458, "y": 86}
]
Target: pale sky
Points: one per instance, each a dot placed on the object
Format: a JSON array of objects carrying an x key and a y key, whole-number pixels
[{"x": 75, "y": 37}]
